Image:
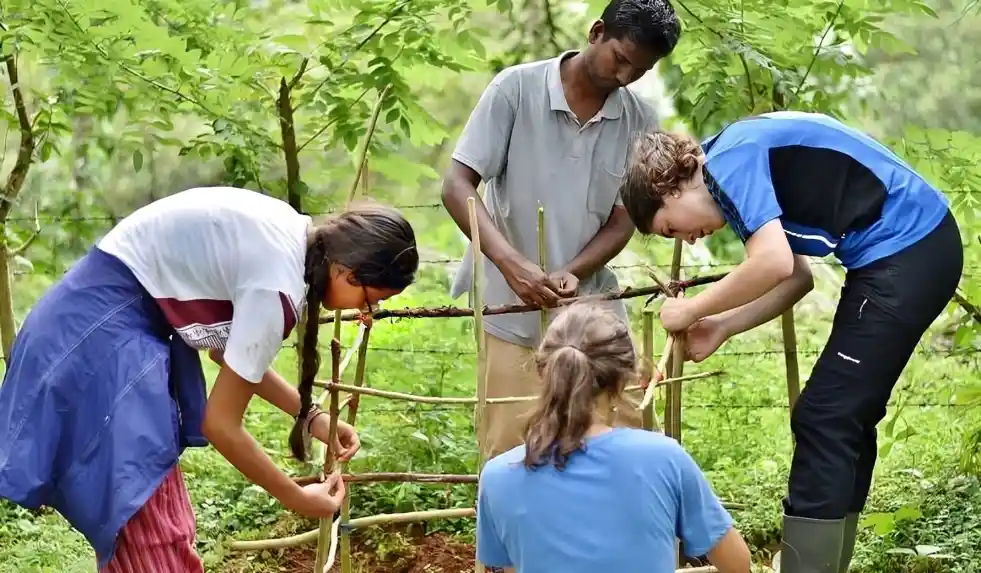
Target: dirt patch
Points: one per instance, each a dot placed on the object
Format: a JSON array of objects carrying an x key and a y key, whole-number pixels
[{"x": 403, "y": 550}]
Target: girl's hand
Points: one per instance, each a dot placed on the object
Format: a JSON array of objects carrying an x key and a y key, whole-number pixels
[
  {"x": 365, "y": 317},
  {"x": 322, "y": 499},
  {"x": 347, "y": 443},
  {"x": 216, "y": 356}
]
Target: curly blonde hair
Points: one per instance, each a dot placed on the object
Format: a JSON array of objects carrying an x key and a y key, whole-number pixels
[{"x": 660, "y": 161}]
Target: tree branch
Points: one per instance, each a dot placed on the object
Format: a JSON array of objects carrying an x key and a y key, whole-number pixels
[
  {"x": 26, "y": 150},
  {"x": 165, "y": 88},
  {"x": 724, "y": 37},
  {"x": 362, "y": 158},
  {"x": 356, "y": 49},
  {"x": 330, "y": 122},
  {"x": 34, "y": 235},
  {"x": 290, "y": 152},
  {"x": 817, "y": 50},
  {"x": 970, "y": 308},
  {"x": 299, "y": 73}
]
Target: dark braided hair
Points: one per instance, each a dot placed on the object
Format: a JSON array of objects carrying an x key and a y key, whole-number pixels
[{"x": 377, "y": 244}]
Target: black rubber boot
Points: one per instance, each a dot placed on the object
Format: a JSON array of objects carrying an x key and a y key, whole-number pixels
[
  {"x": 811, "y": 545},
  {"x": 848, "y": 541}
]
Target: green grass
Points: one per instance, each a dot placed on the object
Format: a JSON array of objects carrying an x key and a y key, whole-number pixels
[{"x": 736, "y": 426}]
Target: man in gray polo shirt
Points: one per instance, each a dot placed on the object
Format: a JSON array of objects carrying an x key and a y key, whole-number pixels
[{"x": 554, "y": 133}]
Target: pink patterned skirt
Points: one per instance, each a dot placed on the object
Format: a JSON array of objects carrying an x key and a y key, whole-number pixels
[{"x": 159, "y": 538}]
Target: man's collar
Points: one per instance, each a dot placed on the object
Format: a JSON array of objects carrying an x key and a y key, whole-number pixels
[{"x": 612, "y": 108}]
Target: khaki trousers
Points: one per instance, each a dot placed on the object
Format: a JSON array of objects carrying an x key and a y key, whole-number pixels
[{"x": 509, "y": 370}]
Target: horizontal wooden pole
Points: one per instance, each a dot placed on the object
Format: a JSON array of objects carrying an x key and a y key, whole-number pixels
[
  {"x": 395, "y": 477},
  {"x": 406, "y": 477},
  {"x": 457, "y": 312},
  {"x": 467, "y": 400},
  {"x": 383, "y": 519}
]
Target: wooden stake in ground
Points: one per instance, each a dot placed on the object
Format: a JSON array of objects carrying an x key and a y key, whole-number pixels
[
  {"x": 648, "y": 373},
  {"x": 352, "y": 416},
  {"x": 478, "y": 327},
  {"x": 359, "y": 176},
  {"x": 542, "y": 262},
  {"x": 677, "y": 364},
  {"x": 790, "y": 356},
  {"x": 330, "y": 458}
]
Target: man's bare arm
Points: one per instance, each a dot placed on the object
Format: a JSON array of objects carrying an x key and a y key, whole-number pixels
[{"x": 459, "y": 184}]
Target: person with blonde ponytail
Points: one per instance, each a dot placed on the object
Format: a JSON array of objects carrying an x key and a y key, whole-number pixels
[
  {"x": 581, "y": 496},
  {"x": 795, "y": 185},
  {"x": 104, "y": 388}
]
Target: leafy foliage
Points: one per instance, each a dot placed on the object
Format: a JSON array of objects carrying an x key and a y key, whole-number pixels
[{"x": 134, "y": 99}]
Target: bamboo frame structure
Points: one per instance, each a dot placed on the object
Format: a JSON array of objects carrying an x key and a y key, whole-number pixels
[
  {"x": 479, "y": 341},
  {"x": 330, "y": 531}
]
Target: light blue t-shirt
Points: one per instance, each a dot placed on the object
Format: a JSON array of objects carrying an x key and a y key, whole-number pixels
[{"x": 616, "y": 507}]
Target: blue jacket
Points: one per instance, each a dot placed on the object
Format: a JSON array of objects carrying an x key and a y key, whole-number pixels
[{"x": 99, "y": 400}]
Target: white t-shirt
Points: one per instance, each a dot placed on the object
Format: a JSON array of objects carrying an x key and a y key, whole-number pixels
[{"x": 226, "y": 267}]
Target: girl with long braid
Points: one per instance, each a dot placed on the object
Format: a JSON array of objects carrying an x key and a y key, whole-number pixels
[{"x": 104, "y": 388}]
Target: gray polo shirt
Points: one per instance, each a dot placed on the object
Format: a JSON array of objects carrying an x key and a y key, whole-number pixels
[{"x": 529, "y": 148}]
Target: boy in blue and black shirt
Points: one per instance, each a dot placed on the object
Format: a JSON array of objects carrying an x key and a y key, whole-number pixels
[{"x": 794, "y": 185}]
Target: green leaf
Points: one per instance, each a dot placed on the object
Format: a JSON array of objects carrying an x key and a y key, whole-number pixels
[
  {"x": 907, "y": 512},
  {"x": 137, "y": 160},
  {"x": 295, "y": 42}
]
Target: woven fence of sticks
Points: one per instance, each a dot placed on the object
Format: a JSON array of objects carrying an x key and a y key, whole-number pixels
[{"x": 333, "y": 536}]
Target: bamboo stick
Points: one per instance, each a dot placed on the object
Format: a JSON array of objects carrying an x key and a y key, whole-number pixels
[
  {"x": 478, "y": 327},
  {"x": 395, "y": 477},
  {"x": 677, "y": 362},
  {"x": 675, "y": 366},
  {"x": 324, "y": 541},
  {"x": 352, "y": 415},
  {"x": 411, "y": 478},
  {"x": 543, "y": 263},
  {"x": 665, "y": 287},
  {"x": 462, "y": 312},
  {"x": 650, "y": 410},
  {"x": 360, "y": 523},
  {"x": 790, "y": 356},
  {"x": 464, "y": 400},
  {"x": 383, "y": 519}
]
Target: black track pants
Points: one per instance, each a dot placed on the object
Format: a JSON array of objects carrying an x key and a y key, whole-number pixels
[{"x": 884, "y": 310}]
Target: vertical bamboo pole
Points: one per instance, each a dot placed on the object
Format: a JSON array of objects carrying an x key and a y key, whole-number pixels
[
  {"x": 647, "y": 321},
  {"x": 478, "y": 326},
  {"x": 330, "y": 458},
  {"x": 790, "y": 356},
  {"x": 352, "y": 415},
  {"x": 542, "y": 262},
  {"x": 360, "y": 176},
  {"x": 677, "y": 364},
  {"x": 675, "y": 368}
]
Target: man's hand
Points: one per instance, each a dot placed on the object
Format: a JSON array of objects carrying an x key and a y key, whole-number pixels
[
  {"x": 565, "y": 282},
  {"x": 677, "y": 314},
  {"x": 530, "y": 283},
  {"x": 704, "y": 338}
]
